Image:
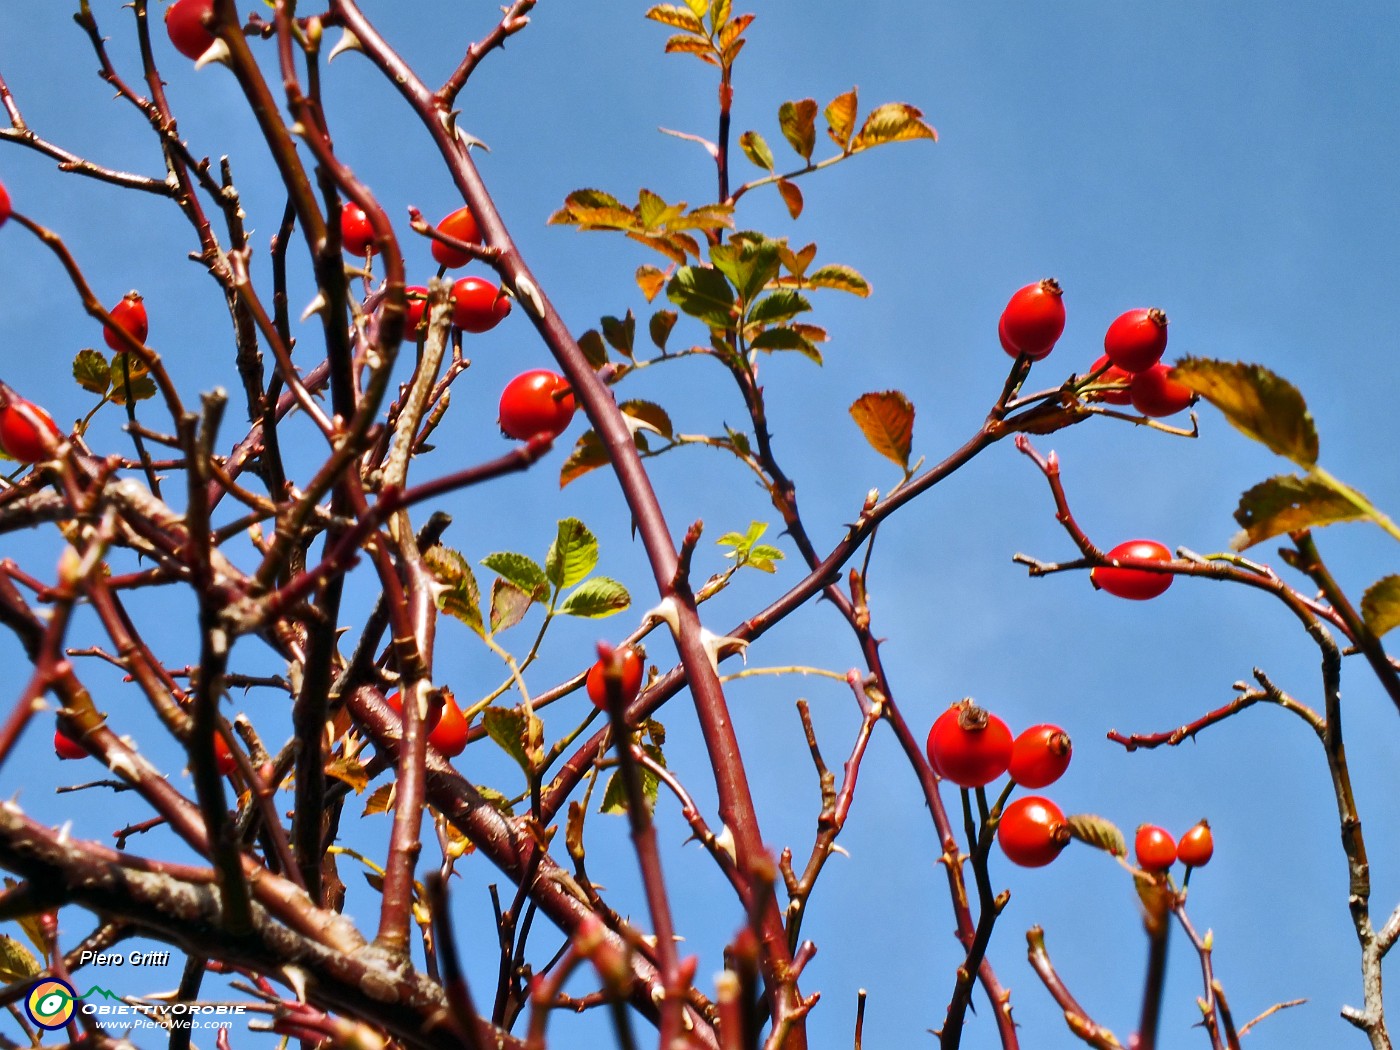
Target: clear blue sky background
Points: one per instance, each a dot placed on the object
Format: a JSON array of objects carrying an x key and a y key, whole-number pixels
[{"x": 1232, "y": 166}]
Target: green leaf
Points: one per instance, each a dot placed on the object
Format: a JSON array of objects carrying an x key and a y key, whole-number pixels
[
  {"x": 838, "y": 277},
  {"x": 572, "y": 555},
  {"x": 749, "y": 261},
  {"x": 90, "y": 369},
  {"x": 509, "y": 604},
  {"x": 705, "y": 217},
  {"x": 763, "y": 556},
  {"x": 615, "y": 794},
  {"x": 756, "y": 149},
  {"x": 792, "y": 197},
  {"x": 142, "y": 386},
  {"x": 588, "y": 455},
  {"x": 702, "y": 292},
  {"x": 746, "y": 550},
  {"x": 719, "y": 13},
  {"x": 653, "y": 212},
  {"x": 620, "y": 333},
  {"x": 507, "y": 727},
  {"x": 886, "y": 418},
  {"x": 521, "y": 570},
  {"x": 784, "y": 338},
  {"x": 841, "y": 119},
  {"x": 798, "y": 121},
  {"x": 653, "y": 415},
  {"x": 460, "y": 598},
  {"x": 1288, "y": 502},
  {"x": 1380, "y": 605},
  {"x": 660, "y": 327},
  {"x": 650, "y": 280},
  {"x": 596, "y": 598},
  {"x": 17, "y": 963},
  {"x": 679, "y": 17},
  {"x": 892, "y": 122},
  {"x": 1097, "y": 832},
  {"x": 698, "y": 7},
  {"x": 1257, "y": 402},
  {"x": 591, "y": 343},
  {"x": 782, "y": 305}
]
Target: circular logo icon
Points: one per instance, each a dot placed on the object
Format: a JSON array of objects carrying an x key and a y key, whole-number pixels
[{"x": 50, "y": 1003}]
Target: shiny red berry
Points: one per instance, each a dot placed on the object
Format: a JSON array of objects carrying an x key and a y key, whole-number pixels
[
  {"x": 1154, "y": 393},
  {"x": 1137, "y": 584},
  {"x": 630, "y": 684},
  {"x": 478, "y": 305},
  {"x": 1136, "y": 340},
  {"x": 1034, "y": 319},
  {"x": 536, "y": 402},
  {"x": 1112, "y": 374},
  {"x": 185, "y": 22},
  {"x": 1032, "y": 831},
  {"x": 415, "y": 310},
  {"x": 1154, "y": 848},
  {"x": 447, "y": 725},
  {"x": 1039, "y": 756},
  {"x": 356, "y": 234},
  {"x": 130, "y": 316},
  {"x": 224, "y": 761},
  {"x": 1197, "y": 846},
  {"x": 66, "y": 747},
  {"x": 461, "y": 225},
  {"x": 968, "y": 745},
  {"x": 27, "y": 432},
  {"x": 4, "y": 204}
]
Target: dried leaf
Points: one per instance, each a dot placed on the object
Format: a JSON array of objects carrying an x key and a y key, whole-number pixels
[
  {"x": 1288, "y": 502},
  {"x": 1380, "y": 606},
  {"x": 1257, "y": 402},
  {"x": 886, "y": 418}
]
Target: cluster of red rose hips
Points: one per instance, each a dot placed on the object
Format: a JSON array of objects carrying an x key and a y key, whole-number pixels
[
  {"x": 1156, "y": 851},
  {"x": 1131, "y": 365},
  {"x": 972, "y": 747}
]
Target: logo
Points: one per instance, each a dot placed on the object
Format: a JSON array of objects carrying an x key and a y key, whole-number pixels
[{"x": 50, "y": 1004}]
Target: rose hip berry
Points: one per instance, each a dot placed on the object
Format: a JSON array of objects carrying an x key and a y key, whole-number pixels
[
  {"x": 27, "y": 432},
  {"x": 1032, "y": 831},
  {"x": 1154, "y": 848},
  {"x": 1197, "y": 846},
  {"x": 356, "y": 234},
  {"x": 1039, "y": 756},
  {"x": 130, "y": 316},
  {"x": 461, "y": 224},
  {"x": 1112, "y": 374},
  {"x": 1154, "y": 393},
  {"x": 1034, "y": 319},
  {"x": 66, "y": 747},
  {"x": 185, "y": 24},
  {"x": 630, "y": 684},
  {"x": 1137, "y": 584},
  {"x": 447, "y": 726},
  {"x": 415, "y": 309},
  {"x": 1136, "y": 340},
  {"x": 536, "y": 402},
  {"x": 478, "y": 305},
  {"x": 4, "y": 204},
  {"x": 968, "y": 745}
]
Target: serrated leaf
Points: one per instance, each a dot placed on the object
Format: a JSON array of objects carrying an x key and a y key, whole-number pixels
[
  {"x": 797, "y": 261},
  {"x": 756, "y": 149},
  {"x": 348, "y": 771},
  {"x": 594, "y": 350},
  {"x": 702, "y": 292},
  {"x": 893, "y": 122},
  {"x": 700, "y": 47},
  {"x": 507, "y": 727},
  {"x": 588, "y": 455},
  {"x": 792, "y": 197},
  {"x": 509, "y": 604},
  {"x": 841, "y": 278},
  {"x": 1258, "y": 403},
  {"x": 719, "y": 13},
  {"x": 521, "y": 570},
  {"x": 91, "y": 371},
  {"x": 781, "y": 305},
  {"x": 380, "y": 800},
  {"x": 886, "y": 418},
  {"x": 653, "y": 212},
  {"x": 650, "y": 280},
  {"x": 653, "y": 415},
  {"x": 1097, "y": 832},
  {"x": 125, "y": 367},
  {"x": 706, "y": 217},
  {"x": 572, "y": 555},
  {"x": 17, "y": 963},
  {"x": 749, "y": 261},
  {"x": 783, "y": 338},
  {"x": 596, "y": 598},
  {"x": 1380, "y": 605},
  {"x": 1288, "y": 502},
  {"x": 841, "y": 118},
  {"x": 811, "y": 332},
  {"x": 739, "y": 440},
  {"x": 660, "y": 327},
  {"x": 762, "y": 557},
  {"x": 732, "y": 28},
  {"x": 588, "y": 198},
  {"x": 679, "y": 17},
  {"x": 461, "y": 598},
  {"x": 698, "y": 7},
  {"x": 620, "y": 332},
  {"x": 799, "y": 123},
  {"x": 676, "y": 246}
]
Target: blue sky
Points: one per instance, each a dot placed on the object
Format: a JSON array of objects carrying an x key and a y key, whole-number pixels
[{"x": 1229, "y": 165}]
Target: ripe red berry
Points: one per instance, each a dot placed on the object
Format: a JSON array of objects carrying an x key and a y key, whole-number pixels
[
  {"x": 1154, "y": 848},
  {"x": 447, "y": 725},
  {"x": 4, "y": 204},
  {"x": 630, "y": 685},
  {"x": 1137, "y": 584},
  {"x": 1032, "y": 831},
  {"x": 66, "y": 747},
  {"x": 27, "y": 432},
  {"x": 415, "y": 308},
  {"x": 130, "y": 316},
  {"x": 478, "y": 305},
  {"x": 1112, "y": 374},
  {"x": 1034, "y": 319},
  {"x": 224, "y": 761},
  {"x": 1136, "y": 340},
  {"x": 185, "y": 23},
  {"x": 1197, "y": 846},
  {"x": 968, "y": 745},
  {"x": 536, "y": 402},
  {"x": 1039, "y": 756},
  {"x": 461, "y": 224},
  {"x": 356, "y": 234},
  {"x": 1155, "y": 393}
]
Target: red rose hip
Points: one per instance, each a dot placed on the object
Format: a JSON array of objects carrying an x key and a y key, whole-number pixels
[
  {"x": 1039, "y": 756},
  {"x": 1155, "y": 848},
  {"x": 1154, "y": 393},
  {"x": 1032, "y": 831},
  {"x": 66, "y": 747},
  {"x": 1034, "y": 319},
  {"x": 1136, "y": 584},
  {"x": 968, "y": 745},
  {"x": 461, "y": 225},
  {"x": 478, "y": 305},
  {"x": 130, "y": 316},
  {"x": 185, "y": 25},
  {"x": 1111, "y": 374},
  {"x": 1197, "y": 846},
  {"x": 536, "y": 402},
  {"x": 27, "y": 432},
  {"x": 1137, "y": 339},
  {"x": 630, "y": 684}
]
